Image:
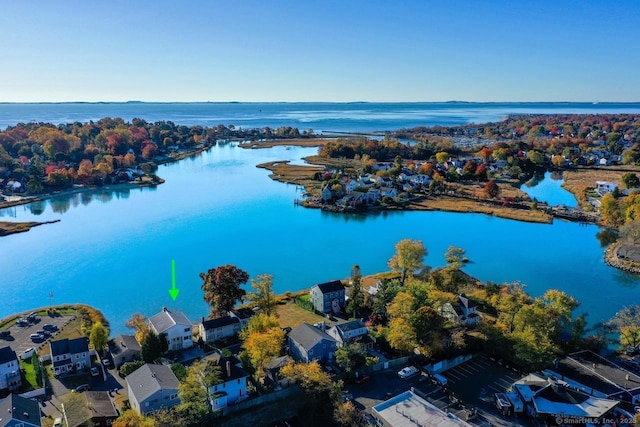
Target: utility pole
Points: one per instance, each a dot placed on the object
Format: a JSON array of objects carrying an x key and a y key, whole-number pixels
[{"x": 64, "y": 414}]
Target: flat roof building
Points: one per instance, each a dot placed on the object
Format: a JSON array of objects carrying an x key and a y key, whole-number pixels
[{"x": 410, "y": 410}]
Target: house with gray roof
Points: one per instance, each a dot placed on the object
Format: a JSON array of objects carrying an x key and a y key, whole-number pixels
[
  {"x": 9, "y": 369},
  {"x": 351, "y": 332},
  {"x": 17, "y": 411},
  {"x": 102, "y": 410},
  {"x": 308, "y": 343},
  {"x": 216, "y": 329},
  {"x": 174, "y": 327},
  {"x": 328, "y": 297},
  {"x": 463, "y": 312},
  {"x": 151, "y": 388},
  {"x": 69, "y": 356},
  {"x": 123, "y": 349}
]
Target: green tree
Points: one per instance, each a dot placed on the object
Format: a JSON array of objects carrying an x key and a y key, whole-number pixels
[
  {"x": 75, "y": 408},
  {"x": 221, "y": 287},
  {"x": 408, "y": 258},
  {"x": 128, "y": 367},
  {"x": 631, "y": 180},
  {"x": 536, "y": 157},
  {"x": 179, "y": 371},
  {"x": 263, "y": 295},
  {"x": 150, "y": 347},
  {"x": 350, "y": 357},
  {"x": 37, "y": 368},
  {"x": 98, "y": 336},
  {"x": 356, "y": 297}
]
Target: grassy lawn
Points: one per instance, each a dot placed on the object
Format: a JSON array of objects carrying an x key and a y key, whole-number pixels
[
  {"x": 29, "y": 375},
  {"x": 292, "y": 315}
]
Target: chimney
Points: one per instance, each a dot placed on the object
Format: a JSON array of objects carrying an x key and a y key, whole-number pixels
[
  {"x": 228, "y": 368},
  {"x": 165, "y": 309}
]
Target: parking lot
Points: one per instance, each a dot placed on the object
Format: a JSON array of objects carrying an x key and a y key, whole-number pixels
[
  {"x": 20, "y": 340},
  {"x": 476, "y": 381}
]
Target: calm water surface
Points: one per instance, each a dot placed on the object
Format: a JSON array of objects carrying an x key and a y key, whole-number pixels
[
  {"x": 114, "y": 249},
  {"x": 548, "y": 188}
]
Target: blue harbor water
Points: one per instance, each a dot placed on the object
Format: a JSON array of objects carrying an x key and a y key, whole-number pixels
[
  {"x": 113, "y": 250},
  {"x": 548, "y": 188}
]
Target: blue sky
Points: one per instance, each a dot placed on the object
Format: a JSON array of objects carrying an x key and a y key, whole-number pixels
[{"x": 329, "y": 50}]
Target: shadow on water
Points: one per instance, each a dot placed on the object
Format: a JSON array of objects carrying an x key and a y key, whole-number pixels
[
  {"x": 626, "y": 280},
  {"x": 61, "y": 204},
  {"x": 37, "y": 208},
  {"x": 535, "y": 180},
  {"x": 606, "y": 237}
]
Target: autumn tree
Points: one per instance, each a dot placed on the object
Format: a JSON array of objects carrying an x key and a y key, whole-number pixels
[
  {"x": 491, "y": 189},
  {"x": 630, "y": 232},
  {"x": 350, "y": 357},
  {"x": 194, "y": 407},
  {"x": 442, "y": 156},
  {"x": 611, "y": 211},
  {"x": 98, "y": 336},
  {"x": 627, "y": 323},
  {"x": 221, "y": 287},
  {"x": 138, "y": 323},
  {"x": 408, "y": 258},
  {"x": 131, "y": 418},
  {"x": 320, "y": 393},
  {"x": 263, "y": 296},
  {"x": 75, "y": 408},
  {"x": 263, "y": 340}
]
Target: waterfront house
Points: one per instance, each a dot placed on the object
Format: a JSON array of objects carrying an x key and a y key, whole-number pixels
[
  {"x": 243, "y": 315},
  {"x": 216, "y": 329},
  {"x": 102, "y": 410},
  {"x": 352, "y": 332},
  {"x": 463, "y": 311},
  {"x": 10, "y": 378},
  {"x": 388, "y": 192},
  {"x": 70, "y": 355},
  {"x": 328, "y": 297},
  {"x": 326, "y": 193},
  {"x": 151, "y": 388},
  {"x": 18, "y": 411},
  {"x": 174, "y": 327},
  {"x": 308, "y": 343},
  {"x": 604, "y": 187},
  {"x": 233, "y": 383},
  {"x": 123, "y": 349}
]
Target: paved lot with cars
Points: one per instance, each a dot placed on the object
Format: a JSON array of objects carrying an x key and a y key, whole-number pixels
[
  {"x": 19, "y": 339},
  {"x": 475, "y": 382}
]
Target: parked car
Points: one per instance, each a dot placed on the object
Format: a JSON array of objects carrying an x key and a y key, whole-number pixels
[
  {"x": 408, "y": 371},
  {"x": 49, "y": 327},
  {"x": 347, "y": 396},
  {"x": 94, "y": 372},
  {"x": 106, "y": 362},
  {"x": 363, "y": 379},
  {"x": 22, "y": 322},
  {"x": 81, "y": 388},
  {"x": 36, "y": 337},
  {"x": 27, "y": 354},
  {"x": 4, "y": 334}
]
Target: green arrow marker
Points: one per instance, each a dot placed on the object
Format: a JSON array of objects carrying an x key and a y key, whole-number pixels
[{"x": 173, "y": 291}]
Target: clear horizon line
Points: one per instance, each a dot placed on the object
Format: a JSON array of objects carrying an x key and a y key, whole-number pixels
[{"x": 321, "y": 102}]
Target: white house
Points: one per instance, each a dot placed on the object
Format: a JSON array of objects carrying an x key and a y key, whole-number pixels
[
  {"x": 233, "y": 387},
  {"x": 463, "y": 312},
  {"x": 220, "y": 328},
  {"x": 151, "y": 388},
  {"x": 9, "y": 369},
  {"x": 174, "y": 327},
  {"x": 604, "y": 187},
  {"x": 69, "y": 356},
  {"x": 351, "y": 332}
]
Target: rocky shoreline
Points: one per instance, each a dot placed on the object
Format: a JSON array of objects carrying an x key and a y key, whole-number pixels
[{"x": 612, "y": 259}]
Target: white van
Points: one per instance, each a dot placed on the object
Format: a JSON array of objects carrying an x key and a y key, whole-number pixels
[{"x": 57, "y": 422}]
